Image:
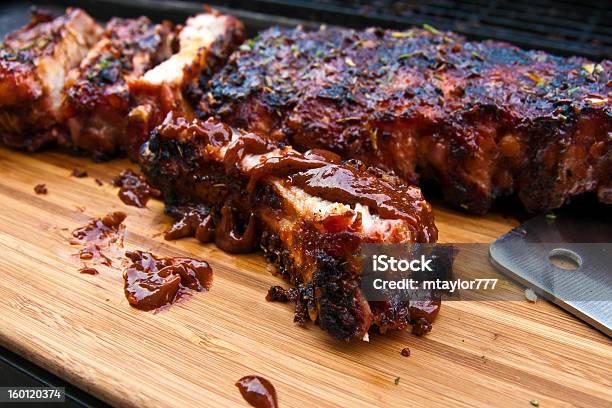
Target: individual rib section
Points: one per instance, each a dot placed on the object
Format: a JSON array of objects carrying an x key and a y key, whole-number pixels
[
  {"x": 96, "y": 96},
  {"x": 483, "y": 119},
  {"x": 34, "y": 63},
  {"x": 205, "y": 43},
  {"x": 309, "y": 212}
]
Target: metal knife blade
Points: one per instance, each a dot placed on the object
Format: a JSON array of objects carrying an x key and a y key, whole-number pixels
[{"x": 582, "y": 282}]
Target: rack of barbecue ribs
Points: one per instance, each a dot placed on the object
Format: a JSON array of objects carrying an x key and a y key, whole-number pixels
[
  {"x": 70, "y": 82},
  {"x": 34, "y": 63},
  {"x": 310, "y": 212},
  {"x": 205, "y": 43},
  {"x": 96, "y": 96},
  {"x": 480, "y": 119}
]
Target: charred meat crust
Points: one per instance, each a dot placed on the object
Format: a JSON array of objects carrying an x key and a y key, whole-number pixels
[
  {"x": 313, "y": 240},
  {"x": 34, "y": 63},
  {"x": 341, "y": 310},
  {"x": 332, "y": 298},
  {"x": 96, "y": 97},
  {"x": 482, "y": 119}
]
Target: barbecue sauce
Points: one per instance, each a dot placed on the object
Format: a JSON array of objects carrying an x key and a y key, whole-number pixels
[
  {"x": 96, "y": 238},
  {"x": 88, "y": 270},
  {"x": 192, "y": 222},
  {"x": 319, "y": 173},
  {"x": 228, "y": 239},
  {"x": 344, "y": 184},
  {"x": 280, "y": 166},
  {"x": 152, "y": 282},
  {"x": 134, "y": 190},
  {"x": 199, "y": 222},
  {"x": 247, "y": 145},
  {"x": 212, "y": 132},
  {"x": 257, "y": 391},
  {"x": 40, "y": 189}
]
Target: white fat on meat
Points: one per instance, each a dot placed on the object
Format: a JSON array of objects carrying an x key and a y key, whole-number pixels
[{"x": 199, "y": 33}]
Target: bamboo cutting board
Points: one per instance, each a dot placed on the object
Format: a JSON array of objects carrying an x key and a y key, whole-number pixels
[{"x": 81, "y": 328}]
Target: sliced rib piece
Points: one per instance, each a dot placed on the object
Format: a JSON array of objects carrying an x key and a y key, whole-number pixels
[
  {"x": 310, "y": 212},
  {"x": 205, "y": 43},
  {"x": 34, "y": 62},
  {"x": 483, "y": 119},
  {"x": 96, "y": 96}
]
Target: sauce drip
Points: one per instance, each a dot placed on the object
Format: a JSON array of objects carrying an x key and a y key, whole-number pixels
[
  {"x": 95, "y": 238},
  {"x": 257, "y": 391},
  {"x": 134, "y": 190},
  {"x": 192, "y": 222},
  {"x": 198, "y": 222},
  {"x": 228, "y": 239},
  {"x": 40, "y": 189},
  {"x": 152, "y": 282},
  {"x": 88, "y": 270}
]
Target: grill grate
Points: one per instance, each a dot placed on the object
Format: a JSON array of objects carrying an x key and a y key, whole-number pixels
[{"x": 559, "y": 26}]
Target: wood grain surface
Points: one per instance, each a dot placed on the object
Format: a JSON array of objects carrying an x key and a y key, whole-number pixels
[{"x": 80, "y": 327}]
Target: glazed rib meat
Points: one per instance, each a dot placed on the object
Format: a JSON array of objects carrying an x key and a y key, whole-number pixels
[
  {"x": 310, "y": 213},
  {"x": 205, "y": 43},
  {"x": 481, "y": 119},
  {"x": 34, "y": 63},
  {"x": 96, "y": 95}
]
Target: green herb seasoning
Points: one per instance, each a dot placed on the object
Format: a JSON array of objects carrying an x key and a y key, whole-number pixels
[
  {"x": 348, "y": 119},
  {"x": 410, "y": 55},
  {"x": 405, "y": 34},
  {"x": 477, "y": 56},
  {"x": 431, "y": 29}
]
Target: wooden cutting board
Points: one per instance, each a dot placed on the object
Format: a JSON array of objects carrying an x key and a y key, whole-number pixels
[{"x": 81, "y": 328}]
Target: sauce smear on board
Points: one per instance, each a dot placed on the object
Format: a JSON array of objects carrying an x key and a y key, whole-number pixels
[
  {"x": 134, "y": 189},
  {"x": 97, "y": 239},
  {"x": 258, "y": 391},
  {"x": 152, "y": 282}
]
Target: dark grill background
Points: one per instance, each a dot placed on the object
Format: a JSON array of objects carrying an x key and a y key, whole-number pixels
[{"x": 559, "y": 26}]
